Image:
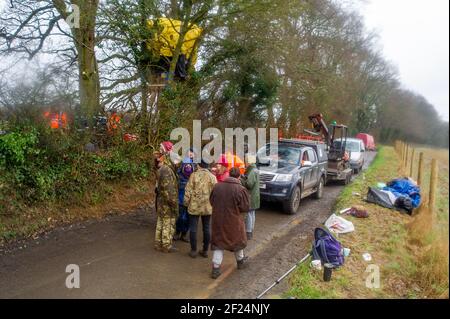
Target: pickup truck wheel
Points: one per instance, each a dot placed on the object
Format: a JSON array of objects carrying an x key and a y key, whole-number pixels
[
  {"x": 291, "y": 205},
  {"x": 347, "y": 179},
  {"x": 319, "y": 192}
]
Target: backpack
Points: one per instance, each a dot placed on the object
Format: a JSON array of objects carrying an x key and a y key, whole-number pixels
[
  {"x": 327, "y": 248},
  {"x": 404, "y": 203}
]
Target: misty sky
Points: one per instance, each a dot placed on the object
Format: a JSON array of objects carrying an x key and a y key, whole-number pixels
[{"x": 415, "y": 37}]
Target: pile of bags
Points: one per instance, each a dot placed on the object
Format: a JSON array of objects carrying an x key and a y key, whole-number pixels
[{"x": 402, "y": 194}]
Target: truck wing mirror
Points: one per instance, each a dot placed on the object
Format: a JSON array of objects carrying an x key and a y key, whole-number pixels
[{"x": 306, "y": 163}]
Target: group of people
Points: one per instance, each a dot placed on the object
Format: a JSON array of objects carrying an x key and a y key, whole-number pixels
[{"x": 223, "y": 196}]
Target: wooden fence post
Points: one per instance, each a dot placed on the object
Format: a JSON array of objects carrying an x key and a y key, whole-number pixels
[
  {"x": 412, "y": 162},
  {"x": 405, "y": 151},
  {"x": 406, "y": 158},
  {"x": 420, "y": 171},
  {"x": 402, "y": 149},
  {"x": 433, "y": 188}
]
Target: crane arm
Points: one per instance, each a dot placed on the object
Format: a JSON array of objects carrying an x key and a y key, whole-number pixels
[{"x": 319, "y": 126}]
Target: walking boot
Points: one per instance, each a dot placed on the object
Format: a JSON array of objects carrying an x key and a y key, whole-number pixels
[
  {"x": 215, "y": 273},
  {"x": 203, "y": 253},
  {"x": 193, "y": 254},
  {"x": 249, "y": 235},
  {"x": 169, "y": 250},
  {"x": 242, "y": 264}
]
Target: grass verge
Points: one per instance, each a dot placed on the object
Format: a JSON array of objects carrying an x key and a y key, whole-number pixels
[{"x": 387, "y": 237}]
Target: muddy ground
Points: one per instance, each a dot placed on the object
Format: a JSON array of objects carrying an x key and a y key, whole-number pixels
[
  {"x": 116, "y": 258},
  {"x": 282, "y": 253}
]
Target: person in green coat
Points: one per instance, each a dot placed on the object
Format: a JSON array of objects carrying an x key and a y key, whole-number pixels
[{"x": 250, "y": 180}]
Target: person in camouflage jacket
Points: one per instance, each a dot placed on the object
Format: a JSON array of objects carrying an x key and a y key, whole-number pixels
[
  {"x": 166, "y": 204},
  {"x": 196, "y": 198}
]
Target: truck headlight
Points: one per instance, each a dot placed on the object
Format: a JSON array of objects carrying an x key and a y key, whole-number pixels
[{"x": 283, "y": 178}]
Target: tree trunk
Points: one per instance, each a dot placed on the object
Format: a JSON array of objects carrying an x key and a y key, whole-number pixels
[
  {"x": 183, "y": 30},
  {"x": 143, "y": 67},
  {"x": 89, "y": 83}
]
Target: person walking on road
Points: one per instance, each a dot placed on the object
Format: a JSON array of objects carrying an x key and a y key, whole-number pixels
[
  {"x": 250, "y": 181},
  {"x": 166, "y": 203},
  {"x": 196, "y": 199},
  {"x": 229, "y": 200}
]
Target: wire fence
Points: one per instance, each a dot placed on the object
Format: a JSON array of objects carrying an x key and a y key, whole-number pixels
[{"x": 412, "y": 164}]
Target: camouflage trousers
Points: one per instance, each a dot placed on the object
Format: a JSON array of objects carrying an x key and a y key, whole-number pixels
[{"x": 165, "y": 229}]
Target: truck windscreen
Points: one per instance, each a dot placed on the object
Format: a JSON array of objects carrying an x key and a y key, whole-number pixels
[{"x": 285, "y": 154}]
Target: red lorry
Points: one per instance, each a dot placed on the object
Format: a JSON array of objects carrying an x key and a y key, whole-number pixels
[{"x": 368, "y": 140}]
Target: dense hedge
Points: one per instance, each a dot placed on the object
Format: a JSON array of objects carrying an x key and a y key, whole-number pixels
[{"x": 39, "y": 164}]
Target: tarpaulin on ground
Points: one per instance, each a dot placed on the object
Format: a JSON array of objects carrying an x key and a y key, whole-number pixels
[
  {"x": 379, "y": 197},
  {"x": 404, "y": 187},
  {"x": 402, "y": 194}
]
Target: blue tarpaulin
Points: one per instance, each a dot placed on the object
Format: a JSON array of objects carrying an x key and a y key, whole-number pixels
[{"x": 403, "y": 187}]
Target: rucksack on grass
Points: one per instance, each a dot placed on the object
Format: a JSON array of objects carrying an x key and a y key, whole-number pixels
[{"x": 327, "y": 248}]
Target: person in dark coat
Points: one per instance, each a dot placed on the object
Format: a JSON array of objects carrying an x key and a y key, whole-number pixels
[
  {"x": 182, "y": 225},
  {"x": 229, "y": 200}
]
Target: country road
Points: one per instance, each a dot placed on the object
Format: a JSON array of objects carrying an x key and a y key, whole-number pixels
[{"x": 117, "y": 260}]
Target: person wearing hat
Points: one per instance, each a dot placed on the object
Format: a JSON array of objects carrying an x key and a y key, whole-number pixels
[
  {"x": 250, "y": 181},
  {"x": 166, "y": 202},
  {"x": 166, "y": 148},
  {"x": 196, "y": 198},
  {"x": 229, "y": 200},
  {"x": 220, "y": 170},
  {"x": 184, "y": 172}
]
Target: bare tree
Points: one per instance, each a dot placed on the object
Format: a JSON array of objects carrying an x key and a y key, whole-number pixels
[{"x": 47, "y": 26}]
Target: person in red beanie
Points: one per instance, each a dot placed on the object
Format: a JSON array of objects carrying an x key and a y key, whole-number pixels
[{"x": 166, "y": 147}]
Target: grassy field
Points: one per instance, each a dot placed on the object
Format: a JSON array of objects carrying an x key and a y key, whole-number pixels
[
  {"x": 442, "y": 156},
  {"x": 409, "y": 268},
  {"x": 433, "y": 238}
]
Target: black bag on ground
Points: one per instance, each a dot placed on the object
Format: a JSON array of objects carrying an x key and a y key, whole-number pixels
[
  {"x": 378, "y": 197},
  {"x": 405, "y": 204}
]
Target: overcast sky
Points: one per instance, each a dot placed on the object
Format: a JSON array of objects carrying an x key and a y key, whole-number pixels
[{"x": 415, "y": 37}]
